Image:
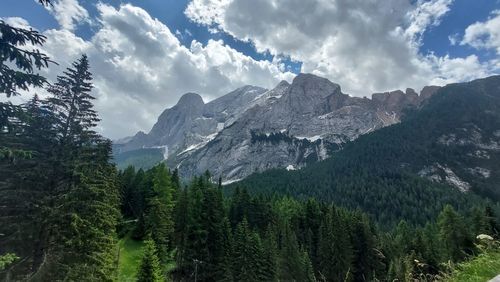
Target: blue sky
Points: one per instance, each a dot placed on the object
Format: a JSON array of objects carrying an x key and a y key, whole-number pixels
[{"x": 146, "y": 53}]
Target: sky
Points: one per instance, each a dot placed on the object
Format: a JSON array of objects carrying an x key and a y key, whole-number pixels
[{"x": 144, "y": 54}]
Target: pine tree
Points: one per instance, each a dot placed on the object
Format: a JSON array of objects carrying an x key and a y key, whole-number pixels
[
  {"x": 159, "y": 212},
  {"x": 127, "y": 188},
  {"x": 181, "y": 215},
  {"x": 149, "y": 269},
  {"x": 84, "y": 203},
  {"x": 363, "y": 241},
  {"x": 270, "y": 256},
  {"x": 334, "y": 248},
  {"x": 452, "y": 233},
  {"x": 308, "y": 268},
  {"x": 196, "y": 236},
  {"x": 292, "y": 266},
  {"x": 247, "y": 253},
  {"x": 213, "y": 217}
]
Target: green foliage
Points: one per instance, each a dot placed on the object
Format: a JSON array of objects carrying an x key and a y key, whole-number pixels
[
  {"x": 256, "y": 238},
  {"x": 453, "y": 233},
  {"x": 159, "y": 210},
  {"x": 13, "y": 52},
  {"x": 7, "y": 259},
  {"x": 484, "y": 267},
  {"x": 61, "y": 218},
  {"x": 149, "y": 269}
]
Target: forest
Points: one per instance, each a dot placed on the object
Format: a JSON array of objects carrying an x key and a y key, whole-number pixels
[{"x": 66, "y": 208}]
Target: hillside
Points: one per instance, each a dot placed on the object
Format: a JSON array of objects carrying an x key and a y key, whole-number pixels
[{"x": 447, "y": 152}]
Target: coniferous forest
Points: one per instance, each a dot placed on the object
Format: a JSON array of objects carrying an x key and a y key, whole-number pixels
[{"x": 66, "y": 210}]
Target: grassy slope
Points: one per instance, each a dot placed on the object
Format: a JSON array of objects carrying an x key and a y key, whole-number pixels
[
  {"x": 130, "y": 257},
  {"x": 482, "y": 268}
]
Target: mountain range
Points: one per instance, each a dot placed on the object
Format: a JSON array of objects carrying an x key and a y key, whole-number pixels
[
  {"x": 252, "y": 129},
  {"x": 447, "y": 151}
]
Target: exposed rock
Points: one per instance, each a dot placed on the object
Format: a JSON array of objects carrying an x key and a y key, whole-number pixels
[
  {"x": 443, "y": 174},
  {"x": 253, "y": 129},
  {"x": 305, "y": 122},
  {"x": 479, "y": 171},
  {"x": 428, "y": 91}
]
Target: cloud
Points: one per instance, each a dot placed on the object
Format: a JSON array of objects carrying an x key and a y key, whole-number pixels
[
  {"x": 140, "y": 67},
  {"x": 365, "y": 46},
  {"x": 69, "y": 13},
  {"x": 484, "y": 35},
  {"x": 17, "y": 22},
  {"x": 426, "y": 15}
]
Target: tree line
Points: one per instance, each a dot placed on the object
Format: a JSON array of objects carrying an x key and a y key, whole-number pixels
[{"x": 212, "y": 237}]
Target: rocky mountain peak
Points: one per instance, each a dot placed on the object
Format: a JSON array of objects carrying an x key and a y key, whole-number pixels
[
  {"x": 283, "y": 84},
  {"x": 191, "y": 99},
  {"x": 252, "y": 129},
  {"x": 428, "y": 91},
  {"x": 311, "y": 85},
  {"x": 308, "y": 94}
]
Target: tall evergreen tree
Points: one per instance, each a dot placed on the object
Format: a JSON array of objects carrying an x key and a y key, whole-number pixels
[
  {"x": 159, "y": 213},
  {"x": 247, "y": 253},
  {"x": 149, "y": 269},
  {"x": 270, "y": 256},
  {"x": 292, "y": 264},
  {"x": 334, "y": 248},
  {"x": 453, "y": 234}
]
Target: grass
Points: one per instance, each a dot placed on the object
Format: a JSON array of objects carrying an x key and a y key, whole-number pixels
[
  {"x": 129, "y": 259},
  {"x": 482, "y": 268}
]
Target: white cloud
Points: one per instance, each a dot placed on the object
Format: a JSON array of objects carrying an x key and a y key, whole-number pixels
[
  {"x": 365, "y": 46},
  {"x": 17, "y": 22},
  {"x": 140, "y": 68},
  {"x": 484, "y": 35},
  {"x": 69, "y": 13},
  {"x": 458, "y": 69},
  {"x": 454, "y": 39},
  {"x": 426, "y": 14}
]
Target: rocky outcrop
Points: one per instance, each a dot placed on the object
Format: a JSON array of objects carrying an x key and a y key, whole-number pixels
[
  {"x": 253, "y": 129},
  {"x": 294, "y": 124}
]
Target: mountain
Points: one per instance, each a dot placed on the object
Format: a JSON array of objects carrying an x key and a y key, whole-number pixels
[
  {"x": 252, "y": 129},
  {"x": 448, "y": 151}
]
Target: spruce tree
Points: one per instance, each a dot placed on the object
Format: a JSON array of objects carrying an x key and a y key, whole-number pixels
[
  {"x": 270, "y": 256},
  {"x": 196, "y": 235},
  {"x": 84, "y": 203},
  {"x": 334, "y": 248},
  {"x": 453, "y": 234},
  {"x": 159, "y": 211},
  {"x": 149, "y": 269},
  {"x": 247, "y": 253},
  {"x": 292, "y": 265},
  {"x": 213, "y": 217}
]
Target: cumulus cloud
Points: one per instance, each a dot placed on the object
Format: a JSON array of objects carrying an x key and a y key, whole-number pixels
[
  {"x": 69, "y": 13},
  {"x": 484, "y": 35},
  {"x": 17, "y": 22},
  {"x": 365, "y": 46},
  {"x": 140, "y": 67}
]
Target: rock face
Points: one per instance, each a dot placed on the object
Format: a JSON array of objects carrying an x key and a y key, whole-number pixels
[
  {"x": 253, "y": 129},
  {"x": 191, "y": 122}
]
